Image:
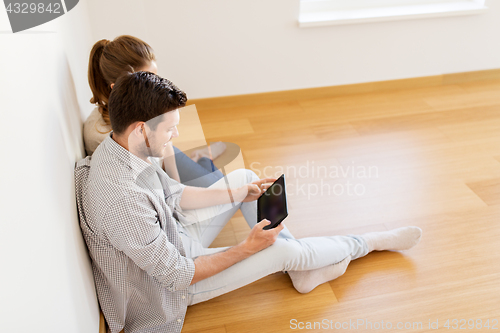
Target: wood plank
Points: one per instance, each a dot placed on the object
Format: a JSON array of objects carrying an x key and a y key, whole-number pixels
[
  {"x": 102, "y": 322},
  {"x": 492, "y": 74},
  {"x": 266, "y": 297},
  {"x": 227, "y": 128},
  {"x": 487, "y": 190},
  {"x": 427, "y": 120},
  {"x": 465, "y": 99},
  {"x": 215, "y": 329}
]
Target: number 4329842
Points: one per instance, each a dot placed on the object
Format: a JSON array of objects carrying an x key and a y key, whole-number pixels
[
  {"x": 25, "y": 8},
  {"x": 462, "y": 324}
]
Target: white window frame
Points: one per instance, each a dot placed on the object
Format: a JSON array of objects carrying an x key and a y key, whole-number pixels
[{"x": 315, "y": 13}]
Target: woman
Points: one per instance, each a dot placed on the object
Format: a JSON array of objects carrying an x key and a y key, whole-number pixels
[{"x": 110, "y": 59}]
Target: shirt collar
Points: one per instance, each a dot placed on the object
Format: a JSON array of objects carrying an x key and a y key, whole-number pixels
[{"x": 136, "y": 164}]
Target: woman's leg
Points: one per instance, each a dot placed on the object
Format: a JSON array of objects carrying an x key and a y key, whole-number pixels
[{"x": 201, "y": 174}]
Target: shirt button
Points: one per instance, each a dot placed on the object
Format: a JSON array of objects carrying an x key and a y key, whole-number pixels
[
  {"x": 179, "y": 320},
  {"x": 183, "y": 297}
]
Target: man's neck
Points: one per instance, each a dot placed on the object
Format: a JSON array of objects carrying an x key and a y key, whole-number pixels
[
  {"x": 122, "y": 141},
  {"x": 119, "y": 140}
]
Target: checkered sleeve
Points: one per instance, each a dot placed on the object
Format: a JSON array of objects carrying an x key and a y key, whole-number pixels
[
  {"x": 173, "y": 193},
  {"x": 133, "y": 227}
]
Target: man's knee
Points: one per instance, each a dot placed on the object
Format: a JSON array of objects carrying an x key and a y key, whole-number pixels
[
  {"x": 286, "y": 253},
  {"x": 251, "y": 176},
  {"x": 241, "y": 177}
]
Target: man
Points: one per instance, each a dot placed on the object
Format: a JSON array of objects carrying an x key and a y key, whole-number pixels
[{"x": 148, "y": 235}]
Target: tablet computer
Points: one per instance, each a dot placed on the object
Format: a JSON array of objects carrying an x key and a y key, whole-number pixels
[{"x": 271, "y": 205}]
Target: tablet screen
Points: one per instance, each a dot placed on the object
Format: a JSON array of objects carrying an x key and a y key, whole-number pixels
[{"x": 272, "y": 204}]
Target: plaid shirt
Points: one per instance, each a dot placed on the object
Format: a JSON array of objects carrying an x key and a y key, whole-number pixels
[{"x": 140, "y": 269}]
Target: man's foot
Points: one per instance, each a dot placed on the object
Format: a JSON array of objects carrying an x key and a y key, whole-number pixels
[
  {"x": 305, "y": 281},
  {"x": 393, "y": 240},
  {"x": 212, "y": 151}
]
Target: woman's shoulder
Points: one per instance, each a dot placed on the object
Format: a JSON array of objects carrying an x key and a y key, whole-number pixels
[
  {"x": 95, "y": 130},
  {"x": 95, "y": 117}
]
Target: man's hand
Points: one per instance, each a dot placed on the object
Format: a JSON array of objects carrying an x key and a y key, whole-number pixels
[
  {"x": 197, "y": 197},
  {"x": 254, "y": 190},
  {"x": 259, "y": 239}
]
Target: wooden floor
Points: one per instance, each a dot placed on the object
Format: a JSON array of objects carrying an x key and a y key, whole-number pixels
[{"x": 428, "y": 157}]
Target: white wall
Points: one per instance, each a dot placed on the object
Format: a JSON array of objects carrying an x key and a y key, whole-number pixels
[
  {"x": 223, "y": 47},
  {"x": 46, "y": 278}
]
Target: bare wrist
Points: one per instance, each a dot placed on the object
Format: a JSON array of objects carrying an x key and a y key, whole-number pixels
[
  {"x": 245, "y": 249},
  {"x": 239, "y": 194}
]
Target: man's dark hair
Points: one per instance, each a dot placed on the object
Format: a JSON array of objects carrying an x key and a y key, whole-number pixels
[{"x": 142, "y": 96}]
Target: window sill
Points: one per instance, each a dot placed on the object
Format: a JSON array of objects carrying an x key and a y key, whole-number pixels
[{"x": 325, "y": 17}]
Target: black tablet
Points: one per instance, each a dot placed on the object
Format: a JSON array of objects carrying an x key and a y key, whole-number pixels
[{"x": 271, "y": 205}]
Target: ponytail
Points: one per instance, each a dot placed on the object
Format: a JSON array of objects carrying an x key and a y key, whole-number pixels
[
  {"x": 111, "y": 59},
  {"x": 100, "y": 88}
]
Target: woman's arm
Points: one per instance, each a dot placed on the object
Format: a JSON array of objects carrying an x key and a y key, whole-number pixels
[{"x": 169, "y": 163}]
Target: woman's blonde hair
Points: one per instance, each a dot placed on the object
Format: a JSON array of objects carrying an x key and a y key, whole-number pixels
[{"x": 109, "y": 60}]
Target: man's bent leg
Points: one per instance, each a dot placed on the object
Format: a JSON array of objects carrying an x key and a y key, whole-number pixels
[
  {"x": 284, "y": 255},
  {"x": 213, "y": 219}
]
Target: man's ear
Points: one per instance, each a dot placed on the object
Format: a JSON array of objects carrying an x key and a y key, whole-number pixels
[
  {"x": 112, "y": 85},
  {"x": 139, "y": 128}
]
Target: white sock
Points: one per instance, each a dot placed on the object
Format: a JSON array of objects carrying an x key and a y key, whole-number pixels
[
  {"x": 212, "y": 152},
  {"x": 393, "y": 240},
  {"x": 305, "y": 281}
]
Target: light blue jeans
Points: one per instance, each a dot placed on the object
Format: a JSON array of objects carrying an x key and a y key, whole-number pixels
[{"x": 286, "y": 254}]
